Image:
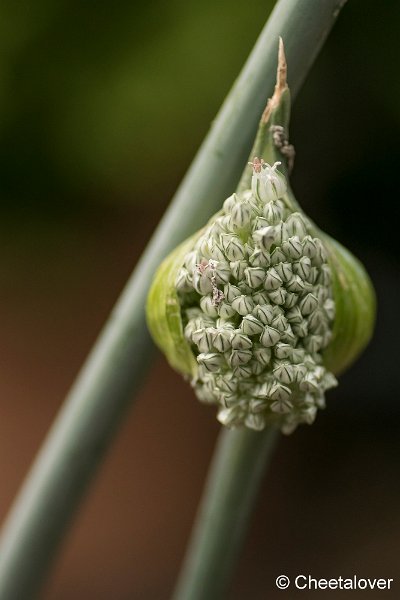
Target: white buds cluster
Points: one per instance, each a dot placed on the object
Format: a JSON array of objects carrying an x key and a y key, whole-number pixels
[{"x": 257, "y": 305}]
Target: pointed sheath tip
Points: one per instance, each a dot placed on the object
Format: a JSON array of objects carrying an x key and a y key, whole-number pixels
[
  {"x": 281, "y": 75},
  {"x": 281, "y": 82}
]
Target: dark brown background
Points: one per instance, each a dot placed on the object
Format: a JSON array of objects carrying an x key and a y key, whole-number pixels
[{"x": 102, "y": 108}]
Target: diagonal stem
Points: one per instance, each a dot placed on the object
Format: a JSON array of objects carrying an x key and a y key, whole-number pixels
[
  {"x": 238, "y": 465},
  {"x": 116, "y": 366}
]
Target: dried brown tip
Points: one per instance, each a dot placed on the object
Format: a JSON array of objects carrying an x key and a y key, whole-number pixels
[{"x": 281, "y": 82}]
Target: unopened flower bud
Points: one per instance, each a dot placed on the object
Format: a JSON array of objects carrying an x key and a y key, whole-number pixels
[
  {"x": 211, "y": 361},
  {"x": 233, "y": 247},
  {"x": 250, "y": 307},
  {"x": 293, "y": 247},
  {"x": 239, "y": 357},
  {"x": 269, "y": 336},
  {"x": 243, "y": 305},
  {"x": 260, "y": 258},
  {"x": 265, "y": 237},
  {"x": 221, "y": 339},
  {"x": 251, "y": 326},
  {"x": 237, "y": 268},
  {"x": 240, "y": 341},
  {"x": 231, "y": 292},
  {"x": 255, "y": 276},
  {"x": 278, "y": 296},
  {"x": 308, "y": 304},
  {"x": 272, "y": 280}
]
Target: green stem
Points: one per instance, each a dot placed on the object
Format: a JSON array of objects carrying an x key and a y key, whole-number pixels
[
  {"x": 230, "y": 492},
  {"x": 117, "y": 364}
]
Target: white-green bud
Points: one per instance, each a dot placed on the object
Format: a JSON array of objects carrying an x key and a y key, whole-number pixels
[
  {"x": 240, "y": 341},
  {"x": 313, "y": 343},
  {"x": 277, "y": 256},
  {"x": 324, "y": 277},
  {"x": 237, "y": 268},
  {"x": 322, "y": 294},
  {"x": 257, "y": 405},
  {"x": 239, "y": 357},
  {"x": 291, "y": 299},
  {"x": 284, "y": 270},
  {"x": 202, "y": 280},
  {"x": 233, "y": 247},
  {"x": 254, "y": 276},
  {"x": 261, "y": 297},
  {"x": 260, "y": 258},
  {"x": 308, "y": 414},
  {"x": 296, "y": 226},
  {"x": 288, "y": 336},
  {"x": 222, "y": 273},
  {"x": 260, "y": 223},
  {"x": 273, "y": 212},
  {"x": 208, "y": 306},
  {"x": 280, "y": 392},
  {"x": 264, "y": 313},
  {"x": 203, "y": 339},
  {"x": 298, "y": 355},
  {"x": 293, "y": 247},
  {"x": 225, "y": 310},
  {"x": 191, "y": 260},
  {"x": 241, "y": 214},
  {"x": 243, "y": 305},
  {"x": 296, "y": 284},
  {"x": 280, "y": 323},
  {"x": 309, "y": 247},
  {"x": 317, "y": 321},
  {"x": 231, "y": 416},
  {"x": 211, "y": 361},
  {"x": 284, "y": 373},
  {"x": 251, "y": 326},
  {"x": 308, "y": 304},
  {"x": 294, "y": 315},
  {"x": 262, "y": 390},
  {"x": 272, "y": 280},
  {"x": 255, "y": 421},
  {"x": 278, "y": 296},
  {"x": 300, "y": 329},
  {"x": 221, "y": 339},
  {"x": 282, "y": 350},
  {"x": 230, "y": 203},
  {"x": 320, "y": 256},
  {"x": 281, "y": 234},
  {"x": 183, "y": 281},
  {"x": 270, "y": 336},
  {"x": 227, "y": 383},
  {"x": 231, "y": 292},
  {"x": 265, "y": 237},
  {"x": 303, "y": 267},
  {"x": 309, "y": 383},
  {"x": 242, "y": 371},
  {"x": 262, "y": 354},
  {"x": 256, "y": 367},
  {"x": 329, "y": 307},
  {"x": 209, "y": 249},
  {"x": 267, "y": 183}
]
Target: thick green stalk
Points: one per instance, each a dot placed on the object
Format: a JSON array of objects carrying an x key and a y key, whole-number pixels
[
  {"x": 118, "y": 362},
  {"x": 234, "y": 478}
]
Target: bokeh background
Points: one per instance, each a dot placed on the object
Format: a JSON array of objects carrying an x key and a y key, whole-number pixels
[{"x": 102, "y": 106}]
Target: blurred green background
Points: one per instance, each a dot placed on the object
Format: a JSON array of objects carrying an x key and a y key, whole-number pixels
[{"x": 102, "y": 107}]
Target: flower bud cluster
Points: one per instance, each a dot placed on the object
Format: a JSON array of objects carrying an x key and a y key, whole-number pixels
[{"x": 258, "y": 309}]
